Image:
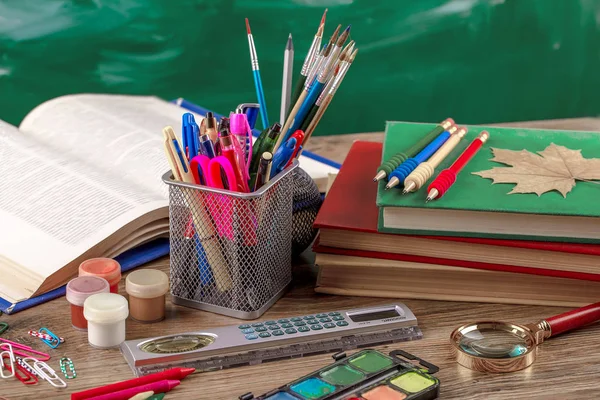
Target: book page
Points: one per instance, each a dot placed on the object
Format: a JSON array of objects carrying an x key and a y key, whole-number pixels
[
  {"x": 54, "y": 208},
  {"x": 110, "y": 132}
]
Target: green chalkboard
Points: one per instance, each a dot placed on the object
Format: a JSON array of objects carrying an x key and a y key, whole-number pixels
[{"x": 475, "y": 60}]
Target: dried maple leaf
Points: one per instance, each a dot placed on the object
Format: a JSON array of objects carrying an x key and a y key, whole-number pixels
[{"x": 554, "y": 168}]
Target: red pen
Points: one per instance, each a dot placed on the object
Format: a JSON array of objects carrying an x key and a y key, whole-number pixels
[
  {"x": 125, "y": 394},
  {"x": 170, "y": 374},
  {"x": 447, "y": 177}
]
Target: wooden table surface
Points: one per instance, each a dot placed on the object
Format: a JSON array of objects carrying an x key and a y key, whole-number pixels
[{"x": 568, "y": 366}]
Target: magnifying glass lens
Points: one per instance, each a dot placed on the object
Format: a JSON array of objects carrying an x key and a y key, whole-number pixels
[{"x": 493, "y": 343}]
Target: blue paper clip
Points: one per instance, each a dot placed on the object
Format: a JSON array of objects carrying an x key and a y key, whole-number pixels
[{"x": 55, "y": 340}]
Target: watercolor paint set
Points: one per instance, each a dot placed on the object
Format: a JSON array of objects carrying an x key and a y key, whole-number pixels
[{"x": 366, "y": 375}]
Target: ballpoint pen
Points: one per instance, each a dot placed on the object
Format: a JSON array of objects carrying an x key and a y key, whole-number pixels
[
  {"x": 286, "y": 84},
  {"x": 283, "y": 155},
  {"x": 308, "y": 62},
  {"x": 257, "y": 81},
  {"x": 398, "y": 175},
  {"x": 264, "y": 167},
  {"x": 447, "y": 177},
  {"x": 239, "y": 128},
  {"x": 388, "y": 166},
  {"x": 424, "y": 171},
  {"x": 190, "y": 135}
]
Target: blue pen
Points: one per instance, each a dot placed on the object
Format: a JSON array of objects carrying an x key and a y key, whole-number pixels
[
  {"x": 282, "y": 157},
  {"x": 189, "y": 135},
  {"x": 207, "y": 147},
  {"x": 403, "y": 170},
  {"x": 257, "y": 81}
]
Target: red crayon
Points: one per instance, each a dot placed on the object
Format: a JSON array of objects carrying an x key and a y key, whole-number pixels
[
  {"x": 125, "y": 394},
  {"x": 447, "y": 177},
  {"x": 170, "y": 374}
]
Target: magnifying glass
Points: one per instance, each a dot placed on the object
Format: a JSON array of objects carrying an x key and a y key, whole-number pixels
[{"x": 491, "y": 346}]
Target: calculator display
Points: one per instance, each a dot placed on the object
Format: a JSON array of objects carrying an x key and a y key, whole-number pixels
[{"x": 374, "y": 315}]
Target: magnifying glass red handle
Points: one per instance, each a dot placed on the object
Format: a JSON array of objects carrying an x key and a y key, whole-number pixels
[{"x": 574, "y": 319}]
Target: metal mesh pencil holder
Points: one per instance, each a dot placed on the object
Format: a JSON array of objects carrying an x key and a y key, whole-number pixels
[{"x": 231, "y": 252}]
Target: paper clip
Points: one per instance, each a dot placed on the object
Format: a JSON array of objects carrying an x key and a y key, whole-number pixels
[
  {"x": 65, "y": 363},
  {"x": 11, "y": 362},
  {"x": 25, "y": 375},
  {"x": 21, "y": 349},
  {"x": 41, "y": 335},
  {"x": 53, "y": 341},
  {"x": 46, "y": 372},
  {"x": 3, "y": 327}
]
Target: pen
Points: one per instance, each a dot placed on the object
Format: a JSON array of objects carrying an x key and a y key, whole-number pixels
[
  {"x": 228, "y": 149},
  {"x": 283, "y": 156},
  {"x": 211, "y": 127},
  {"x": 299, "y": 136},
  {"x": 311, "y": 55},
  {"x": 387, "y": 167},
  {"x": 447, "y": 177},
  {"x": 207, "y": 147},
  {"x": 190, "y": 135},
  {"x": 264, "y": 142},
  {"x": 238, "y": 124},
  {"x": 264, "y": 168},
  {"x": 257, "y": 81},
  {"x": 286, "y": 84},
  {"x": 403, "y": 170},
  {"x": 425, "y": 170}
]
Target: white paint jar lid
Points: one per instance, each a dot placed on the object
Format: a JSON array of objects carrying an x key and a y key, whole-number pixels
[
  {"x": 147, "y": 283},
  {"x": 105, "y": 308}
]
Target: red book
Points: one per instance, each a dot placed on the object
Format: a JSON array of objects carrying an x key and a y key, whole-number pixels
[{"x": 348, "y": 226}]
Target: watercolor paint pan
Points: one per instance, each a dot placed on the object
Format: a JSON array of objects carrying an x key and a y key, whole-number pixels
[{"x": 365, "y": 375}]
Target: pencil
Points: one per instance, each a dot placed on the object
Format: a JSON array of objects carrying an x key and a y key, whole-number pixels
[
  {"x": 344, "y": 67},
  {"x": 313, "y": 51},
  {"x": 286, "y": 84},
  {"x": 257, "y": 81}
]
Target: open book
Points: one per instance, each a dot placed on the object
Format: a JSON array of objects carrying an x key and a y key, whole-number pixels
[{"x": 81, "y": 178}]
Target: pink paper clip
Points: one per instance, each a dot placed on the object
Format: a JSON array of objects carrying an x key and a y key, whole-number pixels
[{"x": 18, "y": 346}]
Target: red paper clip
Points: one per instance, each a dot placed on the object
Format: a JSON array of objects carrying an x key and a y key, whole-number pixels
[{"x": 25, "y": 376}]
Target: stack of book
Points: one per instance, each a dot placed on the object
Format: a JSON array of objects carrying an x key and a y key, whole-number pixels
[{"x": 477, "y": 243}]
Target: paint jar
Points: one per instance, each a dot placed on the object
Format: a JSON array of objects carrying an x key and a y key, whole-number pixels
[
  {"x": 106, "y": 314},
  {"x": 147, "y": 289},
  {"x": 106, "y": 268},
  {"x": 78, "y": 290}
]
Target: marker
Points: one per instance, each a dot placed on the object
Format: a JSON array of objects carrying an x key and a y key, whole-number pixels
[
  {"x": 447, "y": 177},
  {"x": 170, "y": 374}
]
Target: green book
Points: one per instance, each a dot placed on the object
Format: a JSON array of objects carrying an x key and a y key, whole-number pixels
[{"x": 476, "y": 207}]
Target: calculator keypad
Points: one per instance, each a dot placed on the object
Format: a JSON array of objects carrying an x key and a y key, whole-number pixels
[{"x": 293, "y": 326}]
